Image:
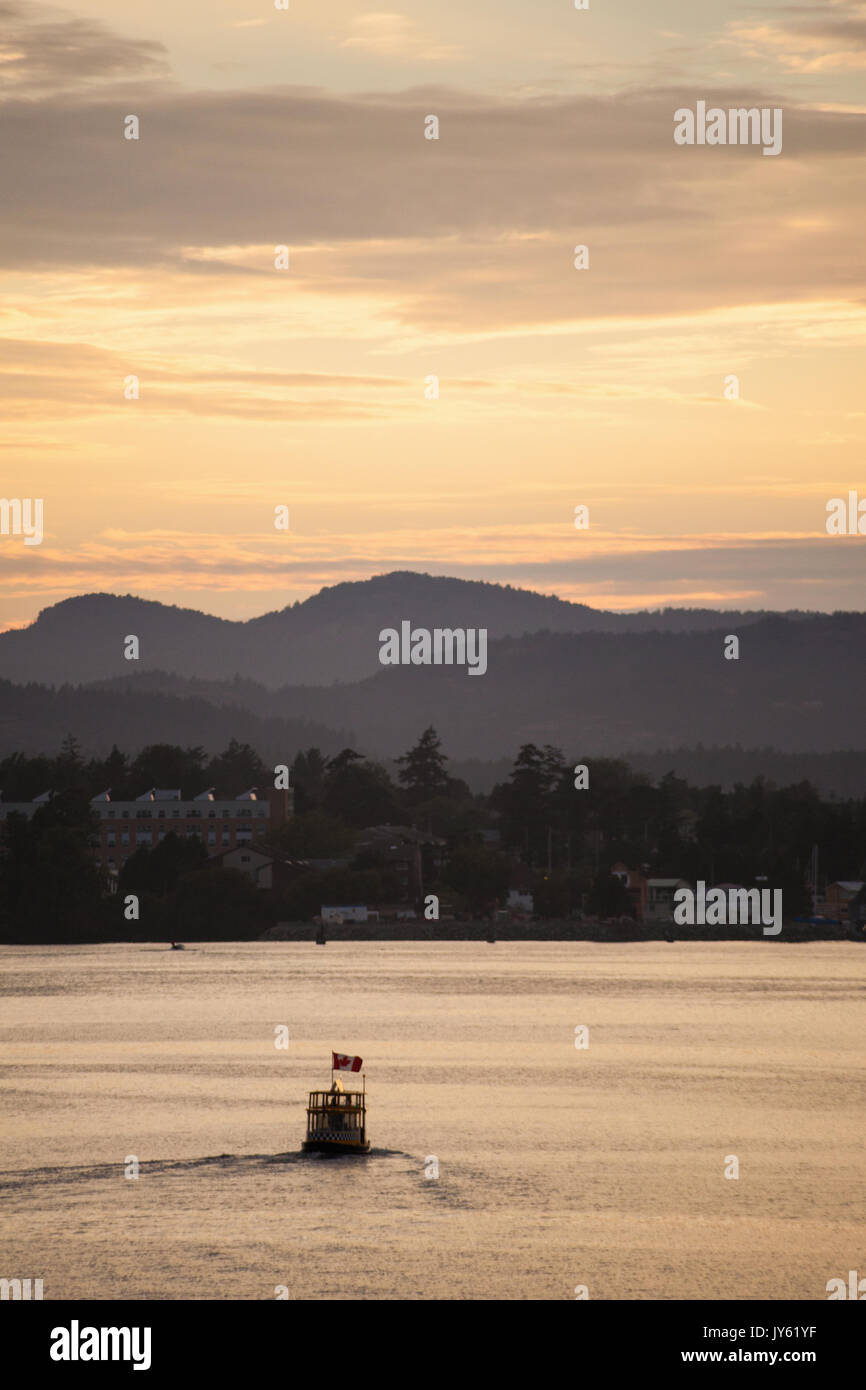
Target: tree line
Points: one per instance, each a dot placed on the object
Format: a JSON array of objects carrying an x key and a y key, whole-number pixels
[{"x": 540, "y": 830}]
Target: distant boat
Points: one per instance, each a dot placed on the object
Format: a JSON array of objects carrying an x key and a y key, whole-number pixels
[
  {"x": 177, "y": 946},
  {"x": 337, "y": 1119}
]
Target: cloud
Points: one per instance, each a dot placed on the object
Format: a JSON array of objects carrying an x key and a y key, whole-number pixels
[
  {"x": 44, "y": 51},
  {"x": 453, "y": 256},
  {"x": 710, "y": 570},
  {"x": 79, "y": 379},
  {"x": 477, "y": 226},
  {"x": 388, "y": 35},
  {"x": 474, "y": 230},
  {"x": 806, "y": 39},
  {"x": 628, "y": 367}
]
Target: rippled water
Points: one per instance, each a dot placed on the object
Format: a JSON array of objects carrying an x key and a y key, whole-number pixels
[{"x": 557, "y": 1166}]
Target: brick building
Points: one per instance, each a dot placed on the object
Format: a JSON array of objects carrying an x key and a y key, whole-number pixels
[{"x": 221, "y": 823}]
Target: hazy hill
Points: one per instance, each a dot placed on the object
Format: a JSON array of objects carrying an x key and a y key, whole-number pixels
[
  {"x": 841, "y": 773},
  {"x": 797, "y": 687},
  {"x": 35, "y": 719},
  {"x": 332, "y": 636}
]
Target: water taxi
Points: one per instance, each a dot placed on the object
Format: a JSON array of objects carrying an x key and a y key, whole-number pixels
[{"x": 337, "y": 1119}]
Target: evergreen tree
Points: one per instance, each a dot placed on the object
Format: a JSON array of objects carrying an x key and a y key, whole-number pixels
[
  {"x": 358, "y": 792},
  {"x": 423, "y": 769},
  {"x": 169, "y": 766},
  {"x": 158, "y": 870},
  {"x": 115, "y": 774},
  {"x": 69, "y": 766},
  {"x": 480, "y": 876},
  {"x": 307, "y": 778},
  {"x": 237, "y": 769},
  {"x": 526, "y": 801},
  {"x": 609, "y": 897},
  {"x": 50, "y": 885}
]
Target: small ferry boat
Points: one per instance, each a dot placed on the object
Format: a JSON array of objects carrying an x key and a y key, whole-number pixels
[{"x": 337, "y": 1119}]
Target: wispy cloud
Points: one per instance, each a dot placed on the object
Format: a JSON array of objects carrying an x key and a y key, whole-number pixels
[
  {"x": 617, "y": 573},
  {"x": 808, "y": 38},
  {"x": 385, "y": 34},
  {"x": 411, "y": 257},
  {"x": 45, "y": 51}
]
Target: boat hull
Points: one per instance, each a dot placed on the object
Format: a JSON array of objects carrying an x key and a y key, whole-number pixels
[{"x": 332, "y": 1146}]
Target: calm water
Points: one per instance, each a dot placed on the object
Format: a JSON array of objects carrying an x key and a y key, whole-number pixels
[{"x": 557, "y": 1167}]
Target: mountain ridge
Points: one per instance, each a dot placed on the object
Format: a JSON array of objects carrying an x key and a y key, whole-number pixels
[
  {"x": 329, "y": 638},
  {"x": 601, "y": 692}
]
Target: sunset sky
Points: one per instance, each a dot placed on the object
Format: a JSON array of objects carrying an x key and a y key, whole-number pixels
[{"x": 411, "y": 257}]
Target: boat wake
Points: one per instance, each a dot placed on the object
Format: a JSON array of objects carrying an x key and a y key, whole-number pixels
[{"x": 29, "y": 1178}]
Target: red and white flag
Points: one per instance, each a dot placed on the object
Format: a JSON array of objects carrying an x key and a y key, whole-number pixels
[{"x": 341, "y": 1063}]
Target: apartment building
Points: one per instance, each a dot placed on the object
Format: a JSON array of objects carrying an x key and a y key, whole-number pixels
[{"x": 221, "y": 823}]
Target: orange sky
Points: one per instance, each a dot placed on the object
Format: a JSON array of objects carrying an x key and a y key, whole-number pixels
[{"x": 409, "y": 258}]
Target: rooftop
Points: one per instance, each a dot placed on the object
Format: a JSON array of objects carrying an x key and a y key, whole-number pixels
[{"x": 152, "y": 794}]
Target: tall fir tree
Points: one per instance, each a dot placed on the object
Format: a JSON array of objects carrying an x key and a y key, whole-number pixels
[{"x": 422, "y": 770}]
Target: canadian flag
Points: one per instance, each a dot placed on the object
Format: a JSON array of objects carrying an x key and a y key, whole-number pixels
[{"x": 341, "y": 1063}]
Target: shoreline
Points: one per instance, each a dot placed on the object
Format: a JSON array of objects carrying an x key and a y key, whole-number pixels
[{"x": 553, "y": 930}]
